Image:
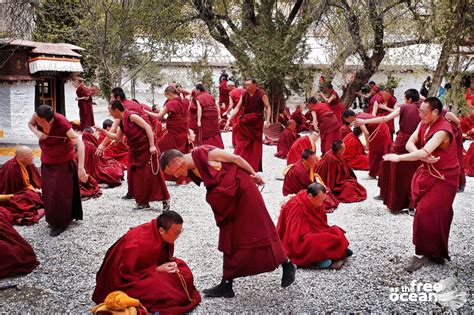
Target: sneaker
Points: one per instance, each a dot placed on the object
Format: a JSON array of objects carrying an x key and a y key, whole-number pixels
[
  {"x": 349, "y": 252},
  {"x": 437, "y": 260},
  {"x": 289, "y": 272},
  {"x": 223, "y": 289},
  {"x": 415, "y": 263},
  {"x": 461, "y": 188},
  {"x": 142, "y": 206}
]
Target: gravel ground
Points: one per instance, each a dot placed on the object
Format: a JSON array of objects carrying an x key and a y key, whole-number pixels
[{"x": 65, "y": 280}]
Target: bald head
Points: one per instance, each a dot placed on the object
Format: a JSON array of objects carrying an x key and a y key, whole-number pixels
[{"x": 24, "y": 155}]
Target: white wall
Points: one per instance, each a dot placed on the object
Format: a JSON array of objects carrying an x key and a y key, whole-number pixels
[
  {"x": 5, "y": 110},
  {"x": 72, "y": 111}
]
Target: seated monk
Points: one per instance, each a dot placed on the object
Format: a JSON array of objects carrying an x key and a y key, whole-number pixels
[
  {"x": 287, "y": 138},
  {"x": 301, "y": 144},
  {"x": 339, "y": 176},
  {"x": 90, "y": 188},
  {"x": 142, "y": 265},
  {"x": 21, "y": 181},
  {"x": 305, "y": 234},
  {"x": 301, "y": 174},
  {"x": 469, "y": 161},
  {"x": 299, "y": 118},
  {"x": 345, "y": 130},
  {"x": 354, "y": 153},
  {"x": 104, "y": 169},
  {"x": 118, "y": 150},
  {"x": 16, "y": 254}
]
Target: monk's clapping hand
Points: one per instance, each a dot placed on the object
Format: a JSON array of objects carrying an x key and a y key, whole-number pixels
[
  {"x": 169, "y": 267},
  {"x": 391, "y": 157},
  {"x": 358, "y": 122}
]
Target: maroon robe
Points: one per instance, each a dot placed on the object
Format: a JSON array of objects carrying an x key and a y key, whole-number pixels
[
  {"x": 247, "y": 235},
  {"x": 209, "y": 132},
  {"x": 467, "y": 127},
  {"x": 345, "y": 130},
  {"x": 382, "y": 112},
  {"x": 90, "y": 189},
  {"x": 298, "y": 178},
  {"x": 469, "y": 161},
  {"x": 328, "y": 124},
  {"x": 236, "y": 94},
  {"x": 249, "y": 130},
  {"x": 130, "y": 266},
  {"x": 104, "y": 169},
  {"x": 86, "y": 114},
  {"x": 301, "y": 144},
  {"x": 16, "y": 254},
  {"x": 300, "y": 120},
  {"x": 434, "y": 188},
  {"x": 340, "y": 178},
  {"x": 337, "y": 107},
  {"x": 287, "y": 138},
  {"x": 306, "y": 235},
  {"x": 354, "y": 153},
  {"x": 192, "y": 116},
  {"x": 144, "y": 167},
  {"x": 117, "y": 150},
  {"x": 379, "y": 144},
  {"x": 59, "y": 180},
  {"x": 176, "y": 135}
]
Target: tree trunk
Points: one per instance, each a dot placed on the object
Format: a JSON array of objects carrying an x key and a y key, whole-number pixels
[{"x": 276, "y": 97}]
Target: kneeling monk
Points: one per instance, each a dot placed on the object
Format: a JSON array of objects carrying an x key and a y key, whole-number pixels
[
  {"x": 141, "y": 264},
  {"x": 339, "y": 176},
  {"x": 247, "y": 235},
  {"x": 305, "y": 234},
  {"x": 287, "y": 138}
]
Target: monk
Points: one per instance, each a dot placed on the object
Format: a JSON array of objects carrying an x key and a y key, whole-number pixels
[
  {"x": 382, "y": 104},
  {"x": 305, "y": 234},
  {"x": 249, "y": 131},
  {"x": 299, "y": 118},
  {"x": 301, "y": 174},
  {"x": 235, "y": 94},
  {"x": 434, "y": 184},
  {"x": 104, "y": 169},
  {"x": 339, "y": 176},
  {"x": 331, "y": 98},
  {"x": 141, "y": 264},
  {"x": 345, "y": 129},
  {"x": 115, "y": 150},
  {"x": 377, "y": 137},
  {"x": 143, "y": 156},
  {"x": 84, "y": 102},
  {"x": 354, "y": 153},
  {"x": 21, "y": 181},
  {"x": 60, "y": 175},
  {"x": 395, "y": 178},
  {"x": 287, "y": 138},
  {"x": 301, "y": 144},
  {"x": 208, "y": 117},
  {"x": 283, "y": 116},
  {"x": 247, "y": 235},
  {"x": 469, "y": 160},
  {"x": 466, "y": 126},
  {"x": 324, "y": 120},
  {"x": 16, "y": 254}
]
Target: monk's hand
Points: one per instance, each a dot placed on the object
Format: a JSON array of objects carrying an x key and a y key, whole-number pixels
[
  {"x": 226, "y": 127},
  {"x": 391, "y": 157},
  {"x": 153, "y": 149},
  {"x": 169, "y": 267},
  {"x": 266, "y": 124},
  {"x": 358, "y": 122},
  {"x": 100, "y": 150},
  {"x": 199, "y": 124},
  {"x": 258, "y": 179},
  {"x": 81, "y": 173},
  {"x": 431, "y": 159},
  {"x": 41, "y": 135}
]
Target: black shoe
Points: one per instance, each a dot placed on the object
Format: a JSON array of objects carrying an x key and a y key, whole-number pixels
[
  {"x": 55, "y": 231},
  {"x": 223, "y": 289},
  {"x": 127, "y": 197},
  {"x": 289, "y": 272},
  {"x": 461, "y": 188},
  {"x": 378, "y": 197},
  {"x": 437, "y": 260},
  {"x": 166, "y": 205},
  {"x": 349, "y": 252},
  {"x": 142, "y": 206}
]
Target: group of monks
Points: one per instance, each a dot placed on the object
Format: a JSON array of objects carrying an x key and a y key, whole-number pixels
[{"x": 421, "y": 169}]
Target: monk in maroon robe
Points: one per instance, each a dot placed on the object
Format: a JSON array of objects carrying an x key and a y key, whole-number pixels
[
  {"x": 299, "y": 118},
  {"x": 143, "y": 156},
  {"x": 208, "y": 117},
  {"x": 377, "y": 137},
  {"x": 235, "y": 94},
  {"x": 434, "y": 184},
  {"x": 345, "y": 130},
  {"x": 247, "y": 235},
  {"x": 60, "y": 174},
  {"x": 305, "y": 234},
  {"x": 283, "y": 117},
  {"x": 16, "y": 254},
  {"x": 354, "y": 153},
  {"x": 324, "y": 120},
  {"x": 115, "y": 150},
  {"x": 466, "y": 126},
  {"x": 339, "y": 176},
  {"x": 104, "y": 169},
  {"x": 249, "y": 131},
  {"x": 331, "y": 98},
  {"x": 301, "y": 174},
  {"x": 382, "y": 104},
  {"x": 301, "y": 144},
  {"x": 287, "y": 138},
  {"x": 90, "y": 189},
  {"x": 21, "y": 181},
  {"x": 84, "y": 102},
  {"x": 395, "y": 178},
  {"x": 141, "y": 264}
]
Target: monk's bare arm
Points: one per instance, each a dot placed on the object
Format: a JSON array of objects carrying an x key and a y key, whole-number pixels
[
  {"x": 268, "y": 110},
  {"x": 453, "y": 118},
  {"x": 34, "y": 129},
  {"x": 107, "y": 140},
  {"x": 81, "y": 172},
  {"x": 199, "y": 113},
  {"x": 315, "y": 120},
  {"x": 231, "y": 105},
  {"x": 149, "y": 132},
  {"x": 118, "y": 135},
  {"x": 219, "y": 155},
  {"x": 160, "y": 115},
  {"x": 380, "y": 119},
  {"x": 413, "y": 140},
  {"x": 366, "y": 134},
  {"x": 219, "y": 110},
  {"x": 234, "y": 111},
  {"x": 375, "y": 108}
]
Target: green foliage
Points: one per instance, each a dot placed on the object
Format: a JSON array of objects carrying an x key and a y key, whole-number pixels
[{"x": 201, "y": 72}]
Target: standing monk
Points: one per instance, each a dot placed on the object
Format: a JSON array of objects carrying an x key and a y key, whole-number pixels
[
  {"x": 247, "y": 235},
  {"x": 148, "y": 180},
  {"x": 434, "y": 184},
  {"x": 59, "y": 173},
  {"x": 382, "y": 104},
  {"x": 235, "y": 94},
  {"x": 395, "y": 178},
  {"x": 249, "y": 131},
  {"x": 324, "y": 120},
  {"x": 84, "y": 102},
  {"x": 330, "y": 97},
  {"x": 208, "y": 117}
]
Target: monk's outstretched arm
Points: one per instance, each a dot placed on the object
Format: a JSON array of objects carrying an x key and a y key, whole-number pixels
[
  {"x": 366, "y": 133},
  {"x": 160, "y": 115},
  {"x": 375, "y": 108},
  {"x": 378, "y": 120},
  {"x": 268, "y": 110},
  {"x": 199, "y": 113},
  {"x": 413, "y": 140},
  {"x": 315, "y": 120},
  {"x": 223, "y": 156},
  {"x": 81, "y": 172},
  {"x": 149, "y": 132},
  {"x": 118, "y": 135},
  {"x": 231, "y": 105},
  {"x": 105, "y": 143},
  {"x": 234, "y": 111}
]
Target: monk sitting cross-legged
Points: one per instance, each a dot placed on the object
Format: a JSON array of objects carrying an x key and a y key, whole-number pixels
[
  {"x": 305, "y": 234},
  {"x": 142, "y": 265},
  {"x": 287, "y": 138},
  {"x": 339, "y": 176},
  {"x": 355, "y": 153},
  {"x": 301, "y": 144},
  {"x": 301, "y": 174},
  {"x": 247, "y": 234}
]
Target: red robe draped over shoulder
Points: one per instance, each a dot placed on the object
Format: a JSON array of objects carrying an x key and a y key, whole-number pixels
[
  {"x": 306, "y": 235},
  {"x": 355, "y": 154},
  {"x": 209, "y": 132},
  {"x": 287, "y": 138},
  {"x": 86, "y": 114},
  {"x": 301, "y": 144},
  {"x": 16, "y": 254},
  {"x": 340, "y": 178},
  {"x": 247, "y": 235},
  {"x": 130, "y": 266}
]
